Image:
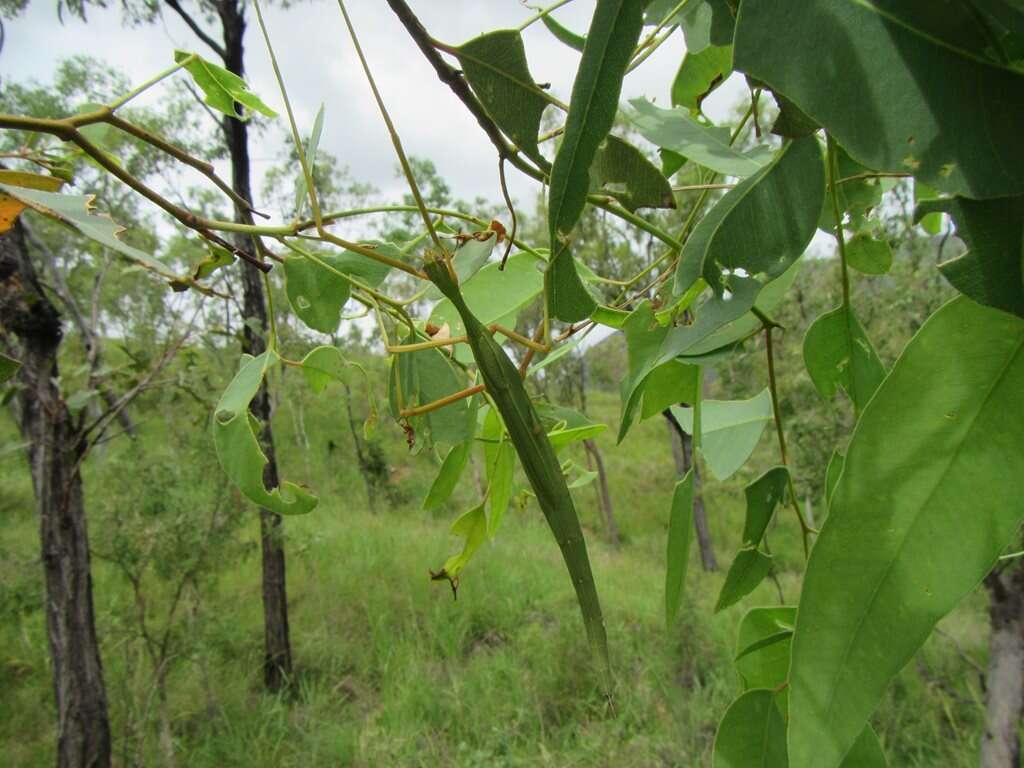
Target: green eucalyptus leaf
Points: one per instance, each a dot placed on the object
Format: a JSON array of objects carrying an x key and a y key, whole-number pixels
[
  {"x": 317, "y": 295},
  {"x": 76, "y": 210},
  {"x": 991, "y": 271},
  {"x": 669, "y": 384},
  {"x": 676, "y": 130},
  {"x": 219, "y": 257},
  {"x": 791, "y": 123},
  {"x": 928, "y": 498},
  {"x": 752, "y": 733},
  {"x": 765, "y": 642},
  {"x": 625, "y": 173},
  {"x": 448, "y": 476},
  {"x": 762, "y": 225},
  {"x": 903, "y": 85},
  {"x": 301, "y": 188},
  {"x": 8, "y": 367},
  {"x": 563, "y": 35},
  {"x": 748, "y": 570},
  {"x": 699, "y": 74},
  {"x": 494, "y": 294},
  {"x": 471, "y": 526},
  {"x": 867, "y": 255},
  {"x": 858, "y": 194},
  {"x": 239, "y": 451},
  {"x": 930, "y": 222},
  {"x": 767, "y": 665},
  {"x": 729, "y": 430},
  {"x": 680, "y": 524},
  {"x": 614, "y": 31},
  {"x": 323, "y": 365},
  {"x": 221, "y": 87},
  {"x": 763, "y": 496},
  {"x": 428, "y": 375},
  {"x": 838, "y": 353},
  {"x": 496, "y": 69}
]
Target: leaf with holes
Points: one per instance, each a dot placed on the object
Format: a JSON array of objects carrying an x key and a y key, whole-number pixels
[
  {"x": 699, "y": 74},
  {"x": 992, "y": 271},
  {"x": 762, "y": 225},
  {"x": 901, "y": 86}
]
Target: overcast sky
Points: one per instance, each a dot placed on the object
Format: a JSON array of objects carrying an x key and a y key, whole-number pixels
[{"x": 319, "y": 64}]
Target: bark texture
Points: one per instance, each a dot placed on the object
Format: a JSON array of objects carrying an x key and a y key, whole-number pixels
[
  {"x": 55, "y": 449},
  {"x": 682, "y": 454},
  {"x": 1004, "y": 692}
]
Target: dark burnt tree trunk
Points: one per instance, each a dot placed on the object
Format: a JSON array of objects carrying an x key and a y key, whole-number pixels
[
  {"x": 1004, "y": 692},
  {"x": 682, "y": 453},
  {"x": 55, "y": 448},
  {"x": 277, "y": 664}
]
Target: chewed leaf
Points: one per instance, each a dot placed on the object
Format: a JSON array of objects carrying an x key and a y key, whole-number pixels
[
  {"x": 76, "y": 210},
  {"x": 10, "y": 207},
  {"x": 219, "y": 257},
  {"x": 221, "y": 87},
  {"x": 472, "y": 526},
  {"x": 239, "y": 451}
]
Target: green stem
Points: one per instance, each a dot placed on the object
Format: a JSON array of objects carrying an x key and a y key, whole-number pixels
[
  {"x": 151, "y": 82},
  {"x": 395, "y": 139},
  {"x": 833, "y": 172},
  {"x": 542, "y": 13},
  {"x": 805, "y": 529},
  {"x": 307, "y": 172}
]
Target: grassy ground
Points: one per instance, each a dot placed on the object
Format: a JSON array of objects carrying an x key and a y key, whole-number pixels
[{"x": 392, "y": 671}]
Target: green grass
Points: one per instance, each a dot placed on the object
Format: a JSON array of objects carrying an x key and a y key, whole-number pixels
[{"x": 391, "y": 671}]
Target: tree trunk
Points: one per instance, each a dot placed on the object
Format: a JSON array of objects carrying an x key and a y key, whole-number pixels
[
  {"x": 682, "y": 453},
  {"x": 55, "y": 448},
  {"x": 1004, "y": 694},
  {"x": 603, "y": 496},
  {"x": 277, "y": 664}
]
